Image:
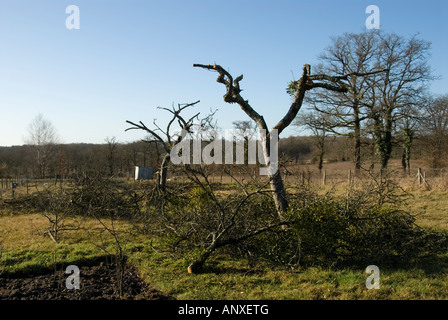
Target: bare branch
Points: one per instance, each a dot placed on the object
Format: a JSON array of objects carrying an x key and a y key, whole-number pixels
[
  {"x": 337, "y": 79},
  {"x": 233, "y": 93},
  {"x": 142, "y": 126}
]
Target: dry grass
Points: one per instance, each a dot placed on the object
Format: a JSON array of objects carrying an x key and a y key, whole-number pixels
[
  {"x": 22, "y": 231},
  {"x": 24, "y": 239},
  {"x": 430, "y": 208},
  {"x": 25, "y": 242},
  {"x": 226, "y": 278}
]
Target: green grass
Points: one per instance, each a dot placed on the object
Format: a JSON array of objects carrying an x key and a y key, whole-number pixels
[
  {"x": 226, "y": 278},
  {"x": 26, "y": 248}
]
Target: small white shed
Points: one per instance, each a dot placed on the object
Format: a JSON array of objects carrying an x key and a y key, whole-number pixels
[{"x": 142, "y": 173}]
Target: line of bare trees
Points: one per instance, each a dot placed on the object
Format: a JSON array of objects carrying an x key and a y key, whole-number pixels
[
  {"x": 386, "y": 109},
  {"x": 79, "y": 160}
]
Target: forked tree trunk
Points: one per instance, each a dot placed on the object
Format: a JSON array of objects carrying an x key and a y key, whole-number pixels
[
  {"x": 233, "y": 90},
  {"x": 306, "y": 82},
  {"x": 279, "y": 194},
  {"x": 276, "y": 182},
  {"x": 164, "y": 171}
]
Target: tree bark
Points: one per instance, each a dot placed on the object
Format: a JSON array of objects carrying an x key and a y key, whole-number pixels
[
  {"x": 279, "y": 194},
  {"x": 357, "y": 137},
  {"x": 164, "y": 171},
  {"x": 387, "y": 139}
]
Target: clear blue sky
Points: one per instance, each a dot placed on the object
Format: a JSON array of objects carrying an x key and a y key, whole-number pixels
[{"x": 128, "y": 57}]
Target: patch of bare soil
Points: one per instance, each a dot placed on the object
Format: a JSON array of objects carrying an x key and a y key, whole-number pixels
[{"x": 98, "y": 281}]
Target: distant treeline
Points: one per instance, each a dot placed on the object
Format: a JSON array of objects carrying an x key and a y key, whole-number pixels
[{"x": 119, "y": 159}]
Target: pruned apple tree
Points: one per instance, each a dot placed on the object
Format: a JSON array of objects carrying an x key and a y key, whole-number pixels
[
  {"x": 307, "y": 81},
  {"x": 171, "y": 136}
]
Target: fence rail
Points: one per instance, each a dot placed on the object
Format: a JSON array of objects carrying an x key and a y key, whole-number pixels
[
  {"x": 25, "y": 185},
  {"x": 7, "y": 183},
  {"x": 429, "y": 178}
]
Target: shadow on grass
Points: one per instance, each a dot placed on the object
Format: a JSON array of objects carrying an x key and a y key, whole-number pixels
[
  {"x": 36, "y": 269},
  {"x": 432, "y": 265}
]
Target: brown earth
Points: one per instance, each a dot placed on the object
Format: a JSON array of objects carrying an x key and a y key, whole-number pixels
[{"x": 98, "y": 281}]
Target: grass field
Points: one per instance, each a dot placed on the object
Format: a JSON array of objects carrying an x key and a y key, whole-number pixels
[{"x": 26, "y": 247}]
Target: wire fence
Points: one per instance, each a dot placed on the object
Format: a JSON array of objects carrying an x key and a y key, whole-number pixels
[
  {"x": 415, "y": 178},
  {"x": 24, "y": 185},
  {"x": 428, "y": 178},
  {"x": 418, "y": 177}
]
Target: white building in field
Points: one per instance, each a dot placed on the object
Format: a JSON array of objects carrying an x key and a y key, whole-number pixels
[{"x": 142, "y": 173}]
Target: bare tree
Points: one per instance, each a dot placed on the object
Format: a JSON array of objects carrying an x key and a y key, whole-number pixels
[
  {"x": 349, "y": 53},
  {"x": 246, "y": 131},
  {"x": 375, "y": 103},
  {"x": 407, "y": 126},
  {"x": 318, "y": 124},
  {"x": 435, "y": 125},
  {"x": 111, "y": 149},
  {"x": 400, "y": 88},
  {"x": 206, "y": 219},
  {"x": 43, "y": 138},
  {"x": 167, "y": 138},
  {"x": 298, "y": 88}
]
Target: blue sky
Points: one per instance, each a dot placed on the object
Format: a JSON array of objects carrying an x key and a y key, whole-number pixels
[{"x": 129, "y": 57}]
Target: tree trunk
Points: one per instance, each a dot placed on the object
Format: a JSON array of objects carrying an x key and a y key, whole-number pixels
[
  {"x": 320, "y": 164},
  {"x": 357, "y": 134},
  {"x": 408, "y": 136},
  {"x": 279, "y": 194},
  {"x": 197, "y": 265},
  {"x": 387, "y": 140},
  {"x": 276, "y": 182},
  {"x": 111, "y": 167},
  {"x": 403, "y": 161},
  {"x": 380, "y": 141},
  {"x": 164, "y": 171},
  {"x": 321, "y": 147}
]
